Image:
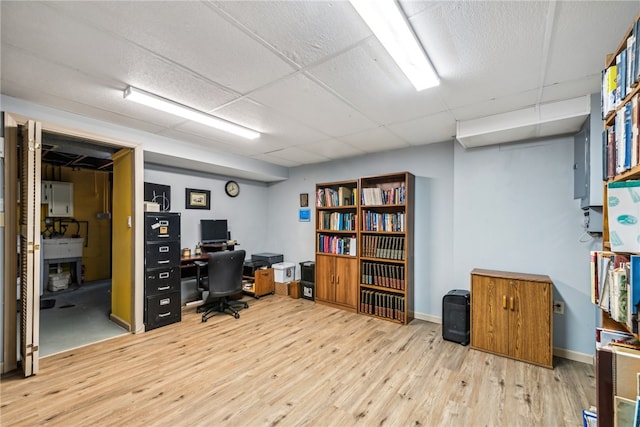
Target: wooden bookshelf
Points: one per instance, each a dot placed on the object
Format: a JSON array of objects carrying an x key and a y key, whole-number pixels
[
  {"x": 364, "y": 245},
  {"x": 605, "y": 392},
  {"x": 336, "y": 244},
  {"x": 386, "y": 247}
]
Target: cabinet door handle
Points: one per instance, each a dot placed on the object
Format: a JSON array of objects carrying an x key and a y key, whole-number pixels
[
  {"x": 337, "y": 279},
  {"x": 511, "y": 303},
  {"x": 504, "y": 301},
  {"x": 333, "y": 279}
]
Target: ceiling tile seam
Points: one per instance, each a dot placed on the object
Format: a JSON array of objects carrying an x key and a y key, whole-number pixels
[
  {"x": 302, "y": 69},
  {"x": 548, "y": 34},
  {"x": 239, "y": 25},
  {"x": 154, "y": 54}
]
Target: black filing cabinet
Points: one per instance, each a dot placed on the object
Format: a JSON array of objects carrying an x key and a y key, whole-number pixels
[{"x": 162, "y": 302}]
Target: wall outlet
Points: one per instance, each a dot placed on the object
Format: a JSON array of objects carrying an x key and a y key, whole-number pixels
[{"x": 558, "y": 307}]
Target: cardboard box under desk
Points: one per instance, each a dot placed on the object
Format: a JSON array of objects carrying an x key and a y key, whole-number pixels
[{"x": 282, "y": 289}]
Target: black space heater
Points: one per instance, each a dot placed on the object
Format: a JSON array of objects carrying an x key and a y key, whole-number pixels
[{"x": 455, "y": 316}]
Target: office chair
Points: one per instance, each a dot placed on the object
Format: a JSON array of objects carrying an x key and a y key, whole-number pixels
[{"x": 225, "y": 280}]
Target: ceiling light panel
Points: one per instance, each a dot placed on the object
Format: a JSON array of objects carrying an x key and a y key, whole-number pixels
[
  {"x": 162, "y": 104},
  {"x": 391, "y": 27}
]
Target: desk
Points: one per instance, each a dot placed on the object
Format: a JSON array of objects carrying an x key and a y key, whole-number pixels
[
  {"x": 189, "y": 263},
  {"x": 216, "y": 247}
]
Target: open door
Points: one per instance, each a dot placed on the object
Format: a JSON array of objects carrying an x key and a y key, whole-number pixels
[
  {"x": 30, "y": 150},
  {"x": 122, "y": 276}
]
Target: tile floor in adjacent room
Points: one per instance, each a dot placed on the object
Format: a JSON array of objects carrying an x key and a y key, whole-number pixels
[{"x": 79, "y": 316}]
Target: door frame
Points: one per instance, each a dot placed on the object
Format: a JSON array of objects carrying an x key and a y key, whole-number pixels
[{"x": 137, "y": 237}]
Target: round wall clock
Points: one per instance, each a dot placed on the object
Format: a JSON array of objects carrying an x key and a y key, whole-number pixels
[{"x": 232, "y": 188}]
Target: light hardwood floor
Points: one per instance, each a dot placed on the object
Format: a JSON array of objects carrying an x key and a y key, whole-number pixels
[{"x": 291, "y": 362}]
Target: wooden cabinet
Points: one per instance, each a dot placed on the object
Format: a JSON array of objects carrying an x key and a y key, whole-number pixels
[
  {"x": 263, "y": 283},
  {"x": 512, "y": 315},
  {"x": 58, "y": 196},
  {"x": 336, "y": 281},
  {"x": 336, "y": 267},
  {"x": 386, "y": 247}
]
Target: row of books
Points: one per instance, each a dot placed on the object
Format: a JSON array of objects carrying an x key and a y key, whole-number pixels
[
  {"x": 337, "y": 220},
  {"x": 386, "y": 275},
  {"x": 388, "y": 247},
  {"x": 375, "y": 221},
  {"x": 337, "y": 245},
  {"x": 382, "y": 304},
  {"x": 615, "y": 285},
  {"x": 619, "y": 79},
  {"x": 343, "y": 196},
  {"x": 616, "y": 338},
  {"x": 621, "y": 141},
  {"x": 384, "y": 196}
]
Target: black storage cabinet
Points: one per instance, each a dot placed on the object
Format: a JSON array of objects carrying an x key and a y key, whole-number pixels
[
  {"x": 162, "y": 302},
  {"x": 456, "y": 316},
  {"x": 307, "y": 280}
]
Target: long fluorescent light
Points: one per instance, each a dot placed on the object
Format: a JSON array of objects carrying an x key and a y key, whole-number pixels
[
  {"x": 162, "y": 104},
  {"x": 391, "y": 27}
]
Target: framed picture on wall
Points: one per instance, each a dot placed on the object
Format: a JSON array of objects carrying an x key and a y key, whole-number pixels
[
  {"x": 197, "y": 199},
  {"x": 304, "y": 200}
]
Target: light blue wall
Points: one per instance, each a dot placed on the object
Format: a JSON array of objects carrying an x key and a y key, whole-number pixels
[
  {"x": 508, "y": 207},
  {"x": 514, "y": 211},
  {"x": 433, "y": 167},
  {"x": 246, "y": 222}
]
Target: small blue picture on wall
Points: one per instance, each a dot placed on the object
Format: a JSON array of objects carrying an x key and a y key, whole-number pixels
[{"x": 304, "y": 215}]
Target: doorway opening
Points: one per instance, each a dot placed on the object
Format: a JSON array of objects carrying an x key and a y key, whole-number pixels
[{"x": 76, "y": 243}]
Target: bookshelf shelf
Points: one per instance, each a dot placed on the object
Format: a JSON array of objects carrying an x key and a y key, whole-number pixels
[{"x": 621, "y": 149}]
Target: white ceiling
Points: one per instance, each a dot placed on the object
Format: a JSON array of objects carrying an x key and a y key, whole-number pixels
[{"x": 309, "y": 75}]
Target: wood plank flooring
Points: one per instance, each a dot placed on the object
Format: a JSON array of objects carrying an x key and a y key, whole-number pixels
[{"x": 290, "y": 362}]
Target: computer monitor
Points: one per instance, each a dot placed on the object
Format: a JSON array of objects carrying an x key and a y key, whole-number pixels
[{"x": 213, "y": 230}]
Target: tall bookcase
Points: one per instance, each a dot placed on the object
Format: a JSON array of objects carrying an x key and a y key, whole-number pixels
[
  {"x": 386, "y": 246},
  {"x": 364, "y": 245},
  {"x": 336, "y": 266},
  {"x": 621, "y": 145}
]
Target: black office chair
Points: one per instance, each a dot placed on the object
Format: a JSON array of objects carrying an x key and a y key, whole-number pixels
[{"x": 225, "y": 280}]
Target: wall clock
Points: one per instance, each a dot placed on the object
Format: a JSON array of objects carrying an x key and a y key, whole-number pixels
[{"x": 232, "y": 188}]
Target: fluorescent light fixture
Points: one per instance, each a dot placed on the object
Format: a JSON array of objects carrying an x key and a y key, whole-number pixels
[
  {"x": 391, "y": 27},
  {"x": 162, "y": 104}
]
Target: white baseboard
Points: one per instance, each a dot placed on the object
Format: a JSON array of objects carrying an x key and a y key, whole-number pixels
[
  {"x": 574, "y": 355},
  {"x": 560, "y": 352}
]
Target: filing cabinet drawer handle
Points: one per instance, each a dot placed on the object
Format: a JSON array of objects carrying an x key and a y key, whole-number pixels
[
  {"x": 163, "y": 249},
  {"x": 163, "y": 222},
  {"x": 164, "y": 288},
  {"x": 163, "y": 275},
  {"x": 166, "y": 261},
  {"x": 164, "y": 314},
  {"x": 165, "y": 301}
]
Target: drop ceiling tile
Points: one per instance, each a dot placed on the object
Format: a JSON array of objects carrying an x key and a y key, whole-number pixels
[
  {"x": 276, "y": 160},
  {"x": 297, "y": 155},
  {"x": 189, "y": 33},
  {"x": 571, "y": 89},
  {"x": 567, "y": 59},
  {"x": 98, "y": 53},
  {"x": 333, "y": 149},
  {"x": 303, "y": 31},
  {"x": 367, "y": 78},
  {"x": 483, "y": 50},
  {"x": 302, "y": 99},
  {"x": 497, "y": 105},
  {"x": 427, "y": 130},
  {"x": 275, "y": 126},
  {"x": 374, "y": 140}
]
